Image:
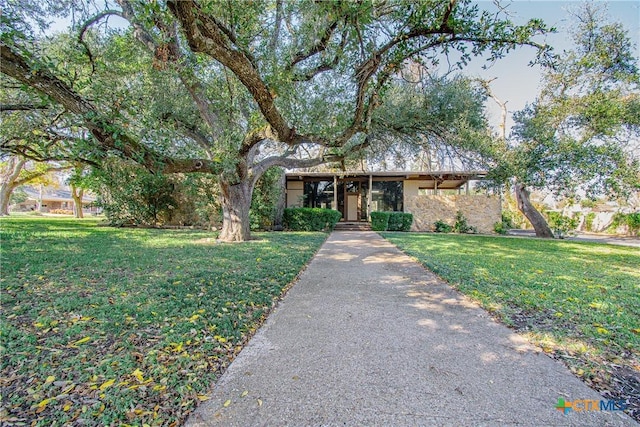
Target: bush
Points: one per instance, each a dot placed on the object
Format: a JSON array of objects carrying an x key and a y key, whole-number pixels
[
  {"x": 461, "y": 225},
  {"x": 505, "y": 224},
  {"x": 562, "y": 225},
  {"x": 395, "y": 221},
  {"x": 391, "y": 221},
  {"x": 407, "y": 221},
  {"x": 588, "y": 221},
  {"x": 442, "y": 227},
  {"x": 310, "y": 219},
  {"x": 380, "y": 221},
  {"x": 631, "y": 220}
]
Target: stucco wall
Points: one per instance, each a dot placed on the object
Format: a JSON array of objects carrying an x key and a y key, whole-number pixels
[
  {"x": 481, "y": 211},
  {"x": 295, "y": 193}
]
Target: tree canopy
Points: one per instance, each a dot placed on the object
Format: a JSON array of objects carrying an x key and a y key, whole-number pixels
[
  {"x": 581, "y": 137},
  {"x": 229, "y": 88}
]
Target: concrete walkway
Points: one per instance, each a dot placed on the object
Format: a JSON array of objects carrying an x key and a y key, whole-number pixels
[{"x": 367, "y": 337}]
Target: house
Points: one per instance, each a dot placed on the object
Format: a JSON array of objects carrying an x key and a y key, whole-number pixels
[
  {"x": 52, "y": 200},
  {"x": 429, "y": 196}
]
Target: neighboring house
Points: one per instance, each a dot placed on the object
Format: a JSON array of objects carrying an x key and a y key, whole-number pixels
[
  {"x": 429, "y": 196},
  {"x": 52, "y": 200}
]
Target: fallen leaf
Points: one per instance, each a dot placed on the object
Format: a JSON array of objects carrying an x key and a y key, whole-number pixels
[
  {"x": 82, "y": 341},
  {"x": 138, "y": 374},
  {"x": 107, "y": 384},
  {"x": 227, "y": 403},
  {"x": 259, "y": 402},
  {"x": 203, "y": 397},
  {"x": 244, "y": 393},
  {"x": 50, "y": 379}
]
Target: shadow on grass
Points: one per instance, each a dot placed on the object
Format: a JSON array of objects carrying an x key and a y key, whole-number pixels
[{"x": 100, "y": 325}]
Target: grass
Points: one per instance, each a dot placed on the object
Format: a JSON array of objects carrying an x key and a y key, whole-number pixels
[
  {"x": 578, "y": 301},
  {"x": 104, "y": 326}
]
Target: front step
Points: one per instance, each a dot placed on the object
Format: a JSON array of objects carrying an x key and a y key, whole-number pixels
[{"x": 353, "y": 226}]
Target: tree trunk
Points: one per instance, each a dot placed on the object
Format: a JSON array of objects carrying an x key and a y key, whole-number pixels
[
  {"x": 5, "y": 196},
  {"x": 236, "y": 202},
  {"x": 77, "y": 194},
  {"x": 535, "y": 218}
]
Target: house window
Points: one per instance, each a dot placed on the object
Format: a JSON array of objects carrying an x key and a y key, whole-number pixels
[
  {"x": 387, "y": 196},
  {"x": 318, "y": 194}
]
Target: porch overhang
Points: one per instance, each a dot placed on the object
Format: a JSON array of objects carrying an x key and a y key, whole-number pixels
[{"x": 441, "y": 180}]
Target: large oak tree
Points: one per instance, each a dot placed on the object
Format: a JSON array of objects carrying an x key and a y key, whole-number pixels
[{"x": 235, "y": 88}]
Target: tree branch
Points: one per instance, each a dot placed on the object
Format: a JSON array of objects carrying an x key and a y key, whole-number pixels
[
  {"x": 22, "y": 107},
  {"x": 204, "y": 35},
  {"x": 110, "y": 136}
]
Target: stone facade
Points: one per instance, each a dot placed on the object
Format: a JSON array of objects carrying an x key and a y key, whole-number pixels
[{"x": 481, "y": 211}]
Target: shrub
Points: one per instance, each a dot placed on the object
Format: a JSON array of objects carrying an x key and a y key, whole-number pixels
[
  {"x": 562, "y": 225},
  {"x": 310, "y": 219},
  {"x": 407, "y": 221},
  {"x": 380, "y": 221},
  {"x": 505, "y": 223},
  {"x": 395, "y": 221},
  {"x": 631, "y": 220},
  {"x": 442, "y": 227},
  {"x": 588, "y": 221},
  {"x": 462, "y": 226}
]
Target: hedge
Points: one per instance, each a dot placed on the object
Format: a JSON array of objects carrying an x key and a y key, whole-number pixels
[
  {"x": 310, "y": 219},
  {"x": 391, "y": 221}
]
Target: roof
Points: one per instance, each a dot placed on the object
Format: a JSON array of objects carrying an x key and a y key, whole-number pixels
[{"x": 443, "y": 179}]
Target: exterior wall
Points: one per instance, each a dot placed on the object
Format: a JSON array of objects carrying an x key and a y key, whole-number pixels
[
  {"x": 295, "y": 192},
  {"x": 481, "y": 211},
  {"x": 411, "y": 188}
]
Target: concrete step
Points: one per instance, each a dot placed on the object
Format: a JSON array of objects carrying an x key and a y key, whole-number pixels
[{"x": 353, "y": 226}]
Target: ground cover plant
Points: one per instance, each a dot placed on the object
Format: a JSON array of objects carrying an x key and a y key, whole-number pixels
[
  {"x": 580, "y": 302},
  {"x": 104, "y": 326}
]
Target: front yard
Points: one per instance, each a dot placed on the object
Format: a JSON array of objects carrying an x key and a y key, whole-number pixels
[
  {"x": 580, "y": 302},
  {"x": 104, "y": 326}
]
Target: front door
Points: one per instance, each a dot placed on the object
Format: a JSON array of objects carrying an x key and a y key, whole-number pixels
[{"x": 352, "y": 206}]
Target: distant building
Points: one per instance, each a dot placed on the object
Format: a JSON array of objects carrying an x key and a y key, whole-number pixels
[{"x": 52, "y": 200}]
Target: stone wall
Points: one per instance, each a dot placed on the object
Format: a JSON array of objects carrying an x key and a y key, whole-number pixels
[{"x": 481, "y": 211}]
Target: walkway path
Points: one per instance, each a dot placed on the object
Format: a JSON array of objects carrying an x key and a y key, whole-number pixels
[{"x": 367, "y": 337}]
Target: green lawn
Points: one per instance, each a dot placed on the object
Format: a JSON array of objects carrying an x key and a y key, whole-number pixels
[
  {"x": 579, "y": 301},
  {"x": 104, "y": 326}
]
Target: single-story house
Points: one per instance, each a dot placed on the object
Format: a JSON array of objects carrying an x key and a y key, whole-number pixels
[
  {"x": 52, "y": 199},
  {"x": 429, "y": 196}
]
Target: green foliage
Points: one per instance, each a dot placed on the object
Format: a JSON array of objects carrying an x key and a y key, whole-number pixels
[
  {"x": 18, "y": 196},
  {"x": 562, "y": 225},
  {"x": 265, "y": 197},
  {"x": 310, "y": 219},
  {"x": 579, "y": 301},
  {"x": 573, "y": 139},
  {"x": 131, "y": 195},
  {"x": 442, "y": 227},
  {"x": 588, "y": 221},
  {"x": 130, "y": 317},
  {"x": 505, "y": 224},
  {"x": 631, "y": 220},
  {"x": 380, "y": 221},
  {"x": 462, "y": 226},
  {"x": 391, "y": 221}
]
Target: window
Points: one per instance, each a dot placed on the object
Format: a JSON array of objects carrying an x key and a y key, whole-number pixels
[
  {"x": 318, "y": 194},
  {"x": 387, "y": 196}
]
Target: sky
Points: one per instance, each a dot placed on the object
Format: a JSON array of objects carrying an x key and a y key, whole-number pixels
[{"x": 516, "y": 82}]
